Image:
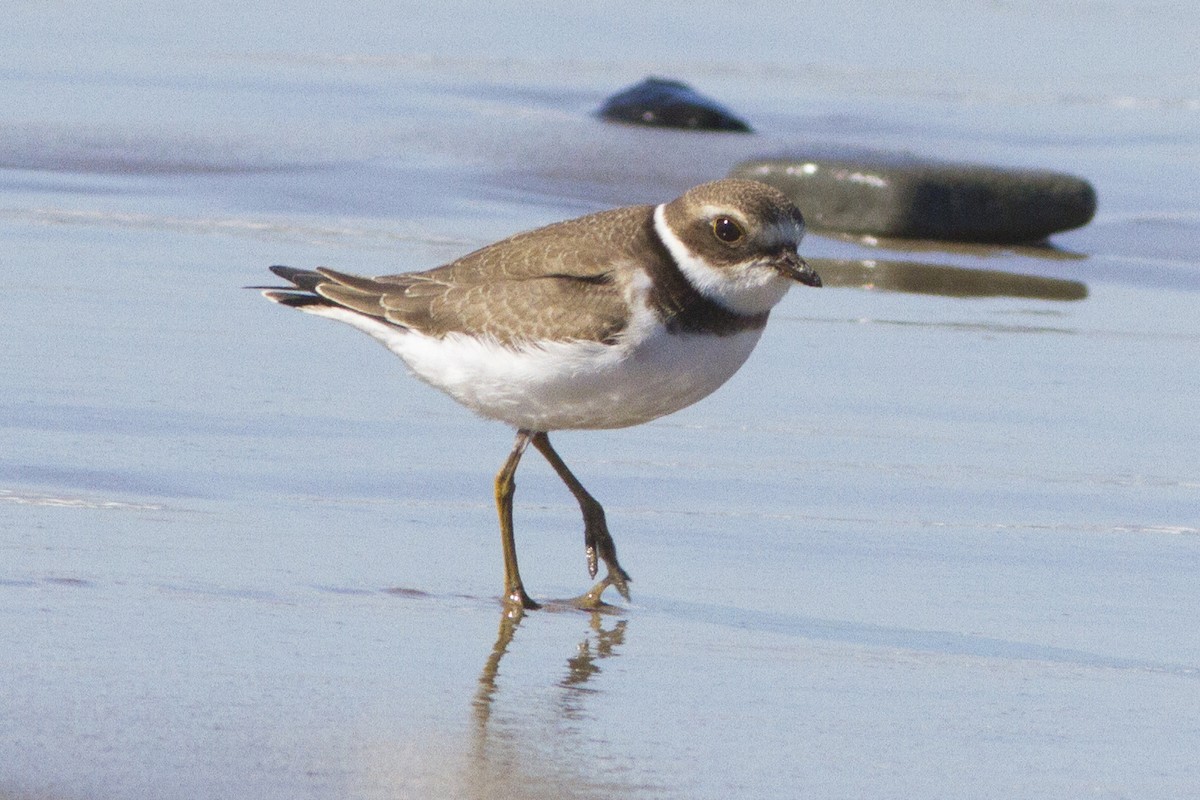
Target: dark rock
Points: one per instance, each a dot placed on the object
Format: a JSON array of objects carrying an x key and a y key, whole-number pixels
[
  {"x": 904, "y": 196},
  {"x": 669, "y": 104}
]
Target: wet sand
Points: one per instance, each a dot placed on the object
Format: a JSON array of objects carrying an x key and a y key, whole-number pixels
[{"x": 937, "y": 538}]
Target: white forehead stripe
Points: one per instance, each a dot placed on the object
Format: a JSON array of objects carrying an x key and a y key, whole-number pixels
[
  {"x": 711, "y": 211},
  {"x": 745, "y": 289},
  {"x": 785, "y": 231}
]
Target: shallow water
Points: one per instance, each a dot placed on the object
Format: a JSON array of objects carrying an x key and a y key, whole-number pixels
[{"x": 938, "y": 537}]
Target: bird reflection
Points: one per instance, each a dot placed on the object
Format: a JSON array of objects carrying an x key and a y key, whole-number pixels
[
  {"x": 514, "y": 756},
  {"x": 600, "y": 643},
  {"x": 582, "y": 666},
  {"x": 509, "y": 620}
]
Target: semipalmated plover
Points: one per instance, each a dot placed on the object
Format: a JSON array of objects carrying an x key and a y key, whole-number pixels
[{"x": 605, "y": 321}]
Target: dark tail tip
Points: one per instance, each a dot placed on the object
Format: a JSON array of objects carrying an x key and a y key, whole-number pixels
[
  {"x": 304, "y": 279},
  {"x": 294, "y": 300}
]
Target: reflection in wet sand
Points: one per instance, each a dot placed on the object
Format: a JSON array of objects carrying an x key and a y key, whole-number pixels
[
  {"x": 915, "y": 277},
  {"x": 1038, "y": 251},
  {"x": 511, "y": 760},
  {"x": 509, "y": 621},
  {"x": 583, "y": 667}
]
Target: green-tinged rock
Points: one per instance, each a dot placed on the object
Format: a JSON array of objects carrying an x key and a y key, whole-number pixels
[{"x": 904, "y": 196}]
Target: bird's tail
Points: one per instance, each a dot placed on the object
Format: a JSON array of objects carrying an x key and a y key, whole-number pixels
[{"x": 303, "y": 291}]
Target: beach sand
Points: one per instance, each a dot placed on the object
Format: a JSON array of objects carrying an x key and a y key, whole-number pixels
[{"x": 938, "y": 538}]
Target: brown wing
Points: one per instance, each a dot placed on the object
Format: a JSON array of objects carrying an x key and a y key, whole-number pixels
[
  {"x": 539, "y": 285},
  {"x": 582, "y": 247}
]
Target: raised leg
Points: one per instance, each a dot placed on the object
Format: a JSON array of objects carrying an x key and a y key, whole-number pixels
[
  {"x": 514, "y": 590},
  {"x": 596, "y": 539}
]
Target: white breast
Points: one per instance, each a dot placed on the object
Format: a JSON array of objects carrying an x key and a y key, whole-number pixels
[{"x": 557, "y": 385}]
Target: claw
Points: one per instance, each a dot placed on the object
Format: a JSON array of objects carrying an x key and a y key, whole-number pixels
[{"x": 619, "y": 580}]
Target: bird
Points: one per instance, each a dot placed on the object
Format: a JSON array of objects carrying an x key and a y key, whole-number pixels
[{"x": 605, "y": 321}]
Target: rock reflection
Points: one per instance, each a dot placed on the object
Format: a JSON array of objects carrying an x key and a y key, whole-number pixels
[
  {"x": 514, "y": 759},
  {"x": 917, "y": 277}
]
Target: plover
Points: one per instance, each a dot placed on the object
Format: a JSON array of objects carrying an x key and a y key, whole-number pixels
[{"x": 605, "y": 321}]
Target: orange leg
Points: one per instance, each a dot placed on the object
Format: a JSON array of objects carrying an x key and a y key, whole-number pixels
[{"x": 514, "y": 590}]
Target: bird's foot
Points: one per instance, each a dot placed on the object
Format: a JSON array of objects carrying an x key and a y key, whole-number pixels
[
  {"x": 617, "y": 577},
  {"x": 599, "y": 546},
  {"x": 516, "y": 597},
  {"x": 591, "y": 600}
]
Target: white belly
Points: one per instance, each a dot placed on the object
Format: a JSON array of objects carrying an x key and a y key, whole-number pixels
[
  {"x": 578, "y": 385},
  {"x": 559, "y": 385}
]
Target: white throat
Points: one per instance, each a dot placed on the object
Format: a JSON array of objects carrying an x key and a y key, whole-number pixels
[{"x": 744, "y": 289}]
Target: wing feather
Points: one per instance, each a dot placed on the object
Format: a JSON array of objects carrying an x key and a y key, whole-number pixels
[{"x": 541, "y": 285}]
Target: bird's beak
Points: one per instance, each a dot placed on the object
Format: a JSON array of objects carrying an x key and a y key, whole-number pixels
[{"x": 793, "y": 266}]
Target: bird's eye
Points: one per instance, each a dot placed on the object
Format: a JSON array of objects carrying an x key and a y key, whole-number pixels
[{"x": 727, "y": 230}]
